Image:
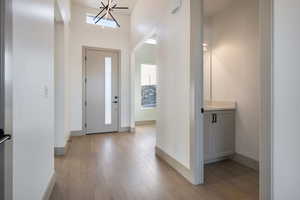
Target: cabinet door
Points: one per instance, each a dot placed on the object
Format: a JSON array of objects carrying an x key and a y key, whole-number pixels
[
  {"x": 223, "y": 133},
  {"x": 208, "y": 138}
]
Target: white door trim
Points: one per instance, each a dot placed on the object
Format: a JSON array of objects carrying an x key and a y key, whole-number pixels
[
  {"x": 266, "y": 82},
  {"x": 266, "y": 132},
  {"x": 84, "y": 50},
  {"x": 196, "y": 91}
]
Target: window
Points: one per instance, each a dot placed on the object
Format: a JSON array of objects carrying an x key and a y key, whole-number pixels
[
  {"x": 105, "y": 22},
  {"x": 108, "y": 90},
  {"x": 148, "y": 85}
]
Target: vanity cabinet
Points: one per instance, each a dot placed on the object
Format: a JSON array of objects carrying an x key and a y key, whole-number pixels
[{"x": 219, "y": 135}]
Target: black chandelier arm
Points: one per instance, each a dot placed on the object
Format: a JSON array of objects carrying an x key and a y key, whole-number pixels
[
  {"x": 98, "y": 14},
  {"x": 124, "y": 8},
  {"x": 100, "y": 18},
  {"x": 114, "y": 19},
  {"x": 115, "y": 7},
  {"x": 108, "y": 8},
  {"x": 105, "y": 8}
]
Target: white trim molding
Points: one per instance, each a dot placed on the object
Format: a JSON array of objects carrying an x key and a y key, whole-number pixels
[
  {"x": 246, "y": 161},
  {"x": 266, "y": 133},
  {"x": 143, "y": 123},
  {"x": 77, "y": 133},
  {"x": 49, "y": 188},
  {"x": 196, "y": 92},
  {"x": 185, "y": 172},
  {"x": 124, "y": 129}
]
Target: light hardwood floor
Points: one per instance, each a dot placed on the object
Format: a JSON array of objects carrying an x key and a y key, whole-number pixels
[{"x": 123, "y": 166}]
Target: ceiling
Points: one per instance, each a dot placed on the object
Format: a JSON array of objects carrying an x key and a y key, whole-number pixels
[
  {"x": 96, "y": 3},
  {"x": 212, "y": 7}
]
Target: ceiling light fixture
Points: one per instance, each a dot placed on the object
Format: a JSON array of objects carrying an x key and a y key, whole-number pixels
[
  {"x": 106, "y": 11},
  {"x": 151, "y": 41}
]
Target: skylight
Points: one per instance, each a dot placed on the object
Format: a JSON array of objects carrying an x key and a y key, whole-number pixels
[{"x": 103, "y": 22}]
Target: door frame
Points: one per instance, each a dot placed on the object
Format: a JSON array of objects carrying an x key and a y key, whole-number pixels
[
  {"x": 6, "y": 76},
  {"x": 133, "y": 76},
  {"x": 266, "y": 82},
  {"x": 266, "y": 141},
  {"x": 84, "y": 50}
]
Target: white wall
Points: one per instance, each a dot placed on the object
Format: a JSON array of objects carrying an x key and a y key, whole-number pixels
[
  {"x": 207, "y": 93},
  {"x": 173, "y": 69},
  {"x": 144, "y": 19},
  {"x": 62, "y": 79},
  {"x": 146, "y": 54},
  {"x": 33, "y": 97},
  {"x": 62, "y": 131},
  {"x": 235, "y": 69},
  {"x": 83, "y": 34},
  {"x": 65, "y": 9},
  {"x": 286, "y": 99}
]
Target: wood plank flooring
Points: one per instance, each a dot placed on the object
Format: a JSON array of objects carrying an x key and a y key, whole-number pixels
[{"x": 123, "y": 166}]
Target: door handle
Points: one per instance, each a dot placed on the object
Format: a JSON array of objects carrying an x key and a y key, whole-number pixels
[{"x": 4, "y": 138}]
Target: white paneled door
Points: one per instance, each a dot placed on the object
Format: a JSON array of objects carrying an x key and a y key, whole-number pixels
[{"x": 102, "y": 91}]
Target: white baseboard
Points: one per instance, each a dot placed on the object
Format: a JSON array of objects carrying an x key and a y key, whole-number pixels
[
  {"x": 77, "y": 133},
  {"x": 210, "y": 161},
  {"x": 124, "y": 129},
  {"x": 181, "y": 169},
  {"x": 132, "y": 130},
  {"x": 143, "y": 123},
  {"x": 49, "y": 188},
  {"x": 246, "y": 161},
  {"x": 61, "y": 151}
]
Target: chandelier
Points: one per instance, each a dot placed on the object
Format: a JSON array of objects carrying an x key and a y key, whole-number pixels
[{"x": 106, "y": 11}]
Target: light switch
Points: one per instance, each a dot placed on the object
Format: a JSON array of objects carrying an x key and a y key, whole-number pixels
[{"x": 46, "y": 91}]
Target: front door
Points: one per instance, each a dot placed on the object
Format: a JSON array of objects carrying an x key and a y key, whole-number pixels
[{"x": 101, "y": 91}]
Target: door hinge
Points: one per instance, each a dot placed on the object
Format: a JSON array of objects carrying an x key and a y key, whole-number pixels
[
  {"x": 85, "y": 80},
  {"x": 85, "y": 58},
  {"x": 85, "y": 103},
  {"x": 85, "y": 125}
]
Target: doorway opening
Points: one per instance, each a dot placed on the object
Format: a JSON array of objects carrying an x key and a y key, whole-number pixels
[
  {"x": 231, "y": 92},
  {"x": 101, "y": 95},
  {"x": 144, "y": 84}
]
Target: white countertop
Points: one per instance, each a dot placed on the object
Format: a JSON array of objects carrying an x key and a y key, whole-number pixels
[{"x": 219, "y": 106}]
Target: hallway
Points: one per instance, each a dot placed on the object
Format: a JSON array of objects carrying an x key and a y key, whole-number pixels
[{"x": 123, "y": 166}]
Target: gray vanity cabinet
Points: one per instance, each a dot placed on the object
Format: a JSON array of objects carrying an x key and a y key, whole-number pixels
[{"x": 219, "y": 135}]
